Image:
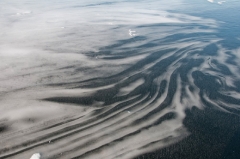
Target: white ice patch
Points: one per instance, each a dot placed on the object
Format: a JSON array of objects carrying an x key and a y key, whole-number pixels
[
  {"x": 36, "y": 156},
  {"x": 131, "y": 32},
  {"x": 221, "y": 2},
  {"x": 23, "y": 13},
  {"x": 211, "y": 1}
]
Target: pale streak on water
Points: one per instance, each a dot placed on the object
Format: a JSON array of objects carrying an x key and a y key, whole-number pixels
[{"x": 76, "y": 83}]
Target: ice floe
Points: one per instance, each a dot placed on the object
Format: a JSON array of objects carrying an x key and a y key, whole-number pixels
[
  {"x": 221, "y": 2},
  {"x": 36, "y": 156},
  {"x": 131, "y": 32}
]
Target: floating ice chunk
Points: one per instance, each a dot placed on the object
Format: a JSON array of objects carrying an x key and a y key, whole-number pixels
[
  {"x": 129, "y": 112},
  {"x": 131, "y": 32},
  {"x": 211, "y": 1},
  {"x": 36, "y": 156},
  {"x": 221, "y": 2},
  {"x": 23, "y": 13}
]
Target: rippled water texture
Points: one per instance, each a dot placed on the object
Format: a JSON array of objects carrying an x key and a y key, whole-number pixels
[{"x": 119, "y": 79}]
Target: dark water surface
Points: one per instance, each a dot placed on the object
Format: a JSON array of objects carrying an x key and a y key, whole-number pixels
[{"x": 120, "y": 79}]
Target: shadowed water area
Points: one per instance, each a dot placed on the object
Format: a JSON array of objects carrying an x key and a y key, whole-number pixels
[{"x": 120, "y": 79}]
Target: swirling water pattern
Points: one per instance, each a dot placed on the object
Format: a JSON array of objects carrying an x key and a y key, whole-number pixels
[{"x": 108, "y": 79}]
